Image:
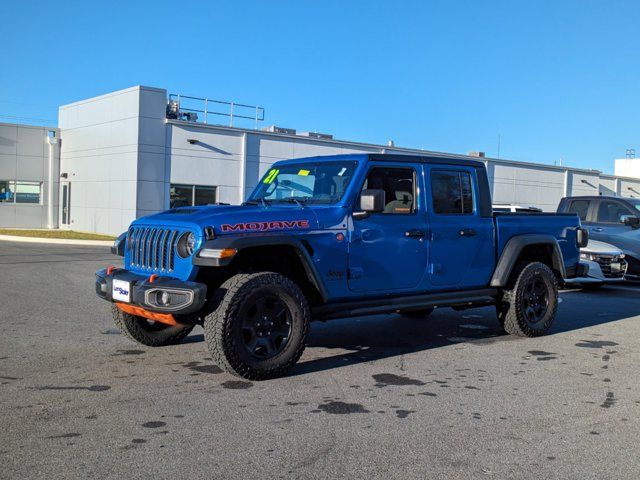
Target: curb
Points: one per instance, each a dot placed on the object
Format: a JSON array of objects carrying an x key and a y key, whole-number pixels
[{"x": 56, "y": 241}]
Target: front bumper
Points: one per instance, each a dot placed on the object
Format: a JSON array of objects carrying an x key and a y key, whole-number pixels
[
  {"x": 594, "y": 274},
  {"x": 188, "y": 297}
]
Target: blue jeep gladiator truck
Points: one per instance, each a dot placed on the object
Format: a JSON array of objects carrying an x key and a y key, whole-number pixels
[{"x": 339, "y": 236}]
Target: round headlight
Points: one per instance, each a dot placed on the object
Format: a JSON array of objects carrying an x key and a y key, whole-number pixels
[{"x": 186, "y": 244}]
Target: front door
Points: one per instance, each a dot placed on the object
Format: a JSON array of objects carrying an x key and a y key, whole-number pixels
[
  {"x": 462, "y": 248},
  {"x": 65, "y": 204},
  {"x": 388, "y": 250},
  {"x": 606, "y": 224}
]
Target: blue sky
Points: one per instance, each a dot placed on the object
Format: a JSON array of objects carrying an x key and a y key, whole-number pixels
[{"x": 551, "y": 79}]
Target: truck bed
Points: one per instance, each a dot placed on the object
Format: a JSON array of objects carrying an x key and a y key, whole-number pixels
[{"x": 557, "y": 225}]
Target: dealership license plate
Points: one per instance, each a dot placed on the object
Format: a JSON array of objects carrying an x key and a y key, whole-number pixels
[
  {"x": 121, "y": 291},
  {"x": 615, "y": 267}
]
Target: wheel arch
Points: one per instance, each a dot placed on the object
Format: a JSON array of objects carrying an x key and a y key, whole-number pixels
[
  {"x": 278, "y": 253},
  {"x": 539, "y": 247}
]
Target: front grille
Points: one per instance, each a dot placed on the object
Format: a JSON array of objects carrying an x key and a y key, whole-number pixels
[
  {"x": 152, "y": 248},
  {"x": 605, "y": 266}
]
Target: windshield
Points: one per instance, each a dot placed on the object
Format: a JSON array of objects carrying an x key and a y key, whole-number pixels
[
  {"x": 313, "y": 182},
  {"x": 635, "y": 203}
]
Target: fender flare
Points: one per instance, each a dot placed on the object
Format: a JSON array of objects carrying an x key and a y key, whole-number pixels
[
  {"x": 514, "y": 247},
  {"x": 242, "y": 242}
]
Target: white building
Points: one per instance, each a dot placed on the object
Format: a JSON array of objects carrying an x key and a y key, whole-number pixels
[{"x": 133, "y": 152}]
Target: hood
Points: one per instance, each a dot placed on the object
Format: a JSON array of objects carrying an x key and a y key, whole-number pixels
[
  {"x": 229, "y": 219},
  {"x": 595, "y": 246}
]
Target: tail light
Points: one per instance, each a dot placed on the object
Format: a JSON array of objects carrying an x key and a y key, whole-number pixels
[{"x": 582, "y": 237}]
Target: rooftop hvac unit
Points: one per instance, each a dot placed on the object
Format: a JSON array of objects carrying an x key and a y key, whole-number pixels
[
  {"x": 324, "y": 136},
  {"x": 276, "y": 129},
  {"x": 477, "y": 154},
  {"x": 173, "y": 109},
  {"x": 189, "y": 116}
]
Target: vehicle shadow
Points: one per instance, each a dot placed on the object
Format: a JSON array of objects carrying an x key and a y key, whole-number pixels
[{"x": 367, "y": 339}]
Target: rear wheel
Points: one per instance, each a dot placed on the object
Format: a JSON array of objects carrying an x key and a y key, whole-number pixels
[
  {"x": 529, "y": 309},
  {"x": 259, "y": 327},
  {"x": 423, "y": 313},
  {"x": 147, "y": 332}
]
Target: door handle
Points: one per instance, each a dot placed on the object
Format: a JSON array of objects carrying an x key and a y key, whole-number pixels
[
  {"x": 598, "y": 229},
  {"x": 467, "y": 232},
  {"x": 414, "y": 234}
]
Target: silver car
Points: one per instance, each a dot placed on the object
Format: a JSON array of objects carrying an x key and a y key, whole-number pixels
[{"x": 607, "y": 264}]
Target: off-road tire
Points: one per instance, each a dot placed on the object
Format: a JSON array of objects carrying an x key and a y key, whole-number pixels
[
  {"x": 223, "y": 325},
  {"x": 424, "y": 313},
  {"x": 512, "y": 311},
  {"x": 139, "y": 330}
]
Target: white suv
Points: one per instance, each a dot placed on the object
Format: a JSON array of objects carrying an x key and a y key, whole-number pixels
[{"x": 606, "y": 265}]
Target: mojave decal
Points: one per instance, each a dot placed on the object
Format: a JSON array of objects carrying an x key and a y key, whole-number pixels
[{"x": 265, "y": 226}]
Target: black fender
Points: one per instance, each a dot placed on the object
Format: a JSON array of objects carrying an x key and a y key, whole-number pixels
[
  {"x": 242, "y": 242},
  {"x": 514, "y": 247}
]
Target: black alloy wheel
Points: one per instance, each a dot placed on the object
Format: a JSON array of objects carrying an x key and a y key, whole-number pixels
[
  {"x": 535, "y": 300},
  {"x": 258, "y": 325},
  {"x": 266, "y": 326},
  {"x": 529, "y": 308}
]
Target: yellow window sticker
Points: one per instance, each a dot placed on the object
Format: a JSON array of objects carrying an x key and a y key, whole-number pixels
[
  {"x": 271, "y": 176},
  {"x": 304, "y": 173}
]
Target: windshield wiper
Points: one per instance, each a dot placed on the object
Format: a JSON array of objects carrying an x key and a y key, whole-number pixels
[
  {"x": 300, "y": 202},
  {"x": 263, "y": 201}
]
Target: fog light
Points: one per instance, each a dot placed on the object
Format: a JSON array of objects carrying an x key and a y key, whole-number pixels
[
  {"x": 169, "y": 299},
  {"x": 163, "y": 298}
]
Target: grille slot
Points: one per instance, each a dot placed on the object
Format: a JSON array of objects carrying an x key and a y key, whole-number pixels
[
  {"x": 605, "y": 266},
  {"x": 152, "y": 248}
]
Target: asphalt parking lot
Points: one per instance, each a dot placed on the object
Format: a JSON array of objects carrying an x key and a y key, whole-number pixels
[{"x": 380, "y": 397}]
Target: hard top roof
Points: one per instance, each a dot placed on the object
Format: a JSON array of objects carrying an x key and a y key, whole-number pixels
[{"x": 392, "y": 157}]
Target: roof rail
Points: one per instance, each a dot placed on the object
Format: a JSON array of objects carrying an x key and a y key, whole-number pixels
[{"x": 185, "y": 107}]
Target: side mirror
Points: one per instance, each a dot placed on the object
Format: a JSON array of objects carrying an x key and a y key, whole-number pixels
[
  {"x": 118, "y": 245},
  {"x": 371, "y": 201},
  {"x": 630, "y": 220}
]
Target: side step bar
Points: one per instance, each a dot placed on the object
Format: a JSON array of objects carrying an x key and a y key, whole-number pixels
[{"x": 465, "y": 299}]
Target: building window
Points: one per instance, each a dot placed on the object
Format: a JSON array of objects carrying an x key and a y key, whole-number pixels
[
  {"x": 28, "y": 192},
  {"x": 6, "y": 191},
  {"x": 20, "y": 192},
  {"x": 191, "y": 195},
  {"x": 204, "y": 195}
]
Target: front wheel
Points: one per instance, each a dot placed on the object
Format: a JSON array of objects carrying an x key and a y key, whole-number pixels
[
  {"x": 529, "y": 309},
  {"x": 148, "y": 332},
  {"x": 259, "y": 327}
]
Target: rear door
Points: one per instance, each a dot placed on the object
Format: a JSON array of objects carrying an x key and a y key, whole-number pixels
[
  {"x": 581, "y": 206},
  {"x": 461, "y": 240}
]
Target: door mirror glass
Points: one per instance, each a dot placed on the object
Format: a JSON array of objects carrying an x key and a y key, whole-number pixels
[
  {"x": 630, "y": 220},
  {"x": 372, "y": 200}
]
